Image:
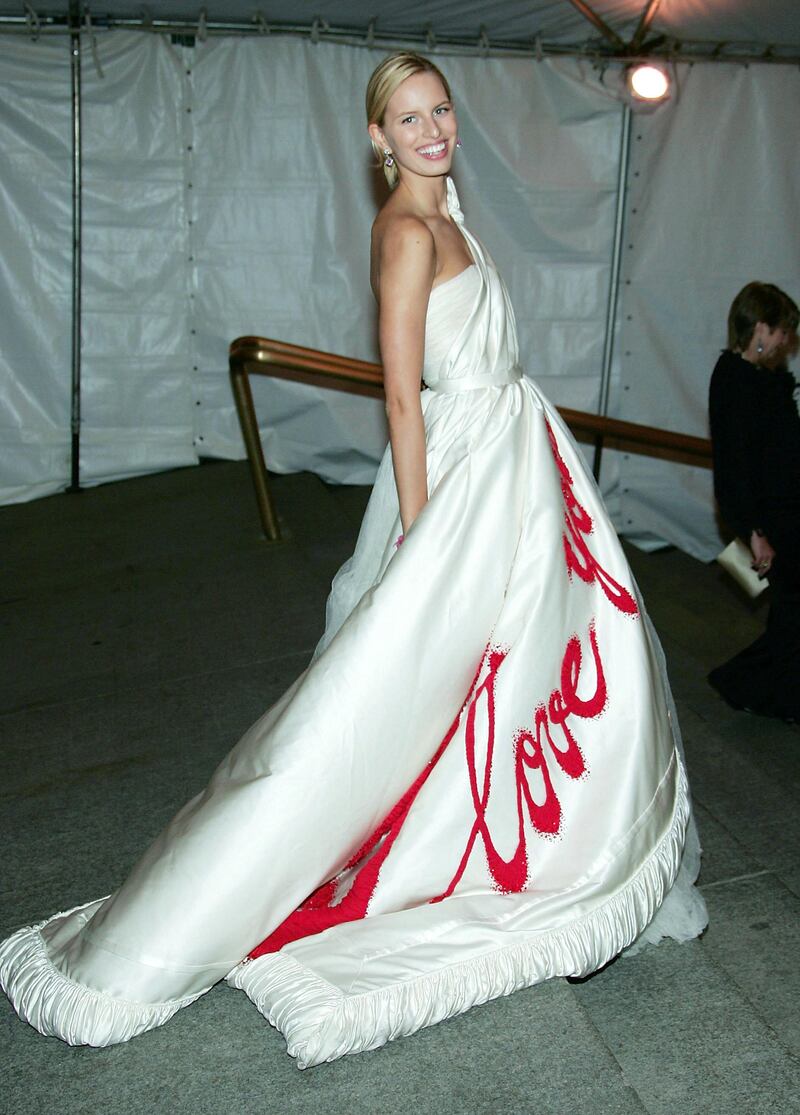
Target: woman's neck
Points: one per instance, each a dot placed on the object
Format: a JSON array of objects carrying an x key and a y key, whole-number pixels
[
  {"x": 427, "y": 196},
  {"x": 750, "y": 354}
]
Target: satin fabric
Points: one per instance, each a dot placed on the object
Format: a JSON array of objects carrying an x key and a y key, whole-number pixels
[{"x": 499, "y": 664}]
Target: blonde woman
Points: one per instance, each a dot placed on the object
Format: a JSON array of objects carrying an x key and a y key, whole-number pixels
[{"x": 476, "y": 784}]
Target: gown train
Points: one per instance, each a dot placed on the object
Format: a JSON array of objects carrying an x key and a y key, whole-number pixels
[{"x": 475, "y": 785}]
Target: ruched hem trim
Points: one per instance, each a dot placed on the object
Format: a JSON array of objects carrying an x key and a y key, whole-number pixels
[{"x": 320, "y": 1023}]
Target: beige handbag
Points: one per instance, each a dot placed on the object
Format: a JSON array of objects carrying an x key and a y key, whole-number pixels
[{"x": 735, "y": 559}]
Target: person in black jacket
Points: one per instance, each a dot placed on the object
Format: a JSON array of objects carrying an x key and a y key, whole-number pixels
[{"x": 755, "y": 434}]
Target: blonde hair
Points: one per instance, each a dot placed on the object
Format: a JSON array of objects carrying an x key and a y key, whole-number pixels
[{"x": 391, "y": 72}]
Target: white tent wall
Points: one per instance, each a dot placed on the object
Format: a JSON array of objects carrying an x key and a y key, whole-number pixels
[
  {"x": 227, "y": 190},
  {"x": 281, "y": 208},
  {"x": 35, "y": 268},
  {"x": 713, "y": 203},
  {"x": 136, "y": 389},
  {"x": 137, "y": 396},
  {"x": 539, "y": 182},
  {"x": 283, "y": 201}
]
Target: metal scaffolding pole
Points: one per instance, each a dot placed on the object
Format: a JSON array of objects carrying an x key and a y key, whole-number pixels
[
  {"x": 75, "y": 406},
  {"x": 613, "y": 282},
  {"x": 610, "y": 48}
]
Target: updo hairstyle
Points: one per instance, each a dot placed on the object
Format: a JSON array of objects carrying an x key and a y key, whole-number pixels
[{"x": 391, "y": 72}]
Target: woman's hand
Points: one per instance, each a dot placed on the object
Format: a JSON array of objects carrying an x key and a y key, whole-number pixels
[{"x": 763, "y": 554}]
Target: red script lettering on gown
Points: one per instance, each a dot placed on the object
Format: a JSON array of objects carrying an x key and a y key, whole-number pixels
[
  {"x": 325, "y": 907},
  {"x": 580, "y": 559},
  {"x": 510, "y": 876}
]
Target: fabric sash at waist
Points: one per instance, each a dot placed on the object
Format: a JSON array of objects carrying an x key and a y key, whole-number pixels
[{"x": 474, "y": 383}]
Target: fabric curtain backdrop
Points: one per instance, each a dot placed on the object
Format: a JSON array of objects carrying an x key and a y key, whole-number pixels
[
  {"x": 228, "y": 190},
  {"x": 35, "y": 267},
  {"x": 285, "y": 195},
  {"x": 138, "y": 413},
  {"x": 137, "y": 392}
]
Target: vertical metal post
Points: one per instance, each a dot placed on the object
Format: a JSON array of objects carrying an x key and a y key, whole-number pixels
[
  {"x": 75, "y": 406},
  {"x": 243, "y": 398},
  {"x": 613, "y": 283}
]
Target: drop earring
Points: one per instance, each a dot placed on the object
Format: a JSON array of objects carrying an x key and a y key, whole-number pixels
[
  {"x": 388, "y": 157},
  {"x": 759, "y": 348},
  {"x": 459, "y": 144}
]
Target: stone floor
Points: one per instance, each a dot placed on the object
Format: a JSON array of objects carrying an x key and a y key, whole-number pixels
[{"x": 145, "y": 624}]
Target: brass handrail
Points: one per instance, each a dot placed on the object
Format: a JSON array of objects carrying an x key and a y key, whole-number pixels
[{"x": 261, "y": 356}]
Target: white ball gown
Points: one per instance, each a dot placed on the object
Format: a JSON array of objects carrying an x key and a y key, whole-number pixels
[{"x": 474, "y": 786}]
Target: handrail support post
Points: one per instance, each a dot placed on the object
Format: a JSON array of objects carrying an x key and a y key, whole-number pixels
[{"x": 243, "y": 397}]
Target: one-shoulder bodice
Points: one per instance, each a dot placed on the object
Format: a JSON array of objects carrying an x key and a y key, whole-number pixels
[
  {"x": 449, "y": 308},
  {"x": 470, "y": 330}
]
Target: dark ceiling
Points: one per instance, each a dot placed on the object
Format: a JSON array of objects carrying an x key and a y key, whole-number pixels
[{"x": 757, "y": 23}]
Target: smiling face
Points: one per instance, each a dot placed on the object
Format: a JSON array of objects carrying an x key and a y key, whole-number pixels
[{"x": 419, "y": 127}]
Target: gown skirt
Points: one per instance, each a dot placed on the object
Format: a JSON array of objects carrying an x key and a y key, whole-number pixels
[{"x": 477, "y": 783}]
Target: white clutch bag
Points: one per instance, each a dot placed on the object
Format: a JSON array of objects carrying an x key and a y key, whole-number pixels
[{"x": 735, "y": 559}]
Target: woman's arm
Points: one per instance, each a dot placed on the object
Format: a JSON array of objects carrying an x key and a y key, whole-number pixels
[
  {"x": 406, "y": 268},
  {"x": 737, "y": 437}
]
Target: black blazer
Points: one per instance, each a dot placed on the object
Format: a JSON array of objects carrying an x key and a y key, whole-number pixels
[{"x": 755, "y": 434}]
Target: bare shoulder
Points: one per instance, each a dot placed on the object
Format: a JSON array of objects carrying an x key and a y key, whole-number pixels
[
  {"x": 397, "y": 234},
  {"x": 402, "y": 245}
]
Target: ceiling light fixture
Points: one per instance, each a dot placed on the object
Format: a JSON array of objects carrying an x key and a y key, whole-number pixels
[{"x": 647, "y": 83}]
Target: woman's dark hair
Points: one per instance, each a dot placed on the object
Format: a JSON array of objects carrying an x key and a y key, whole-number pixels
[{"x": 758, "y": 302}]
